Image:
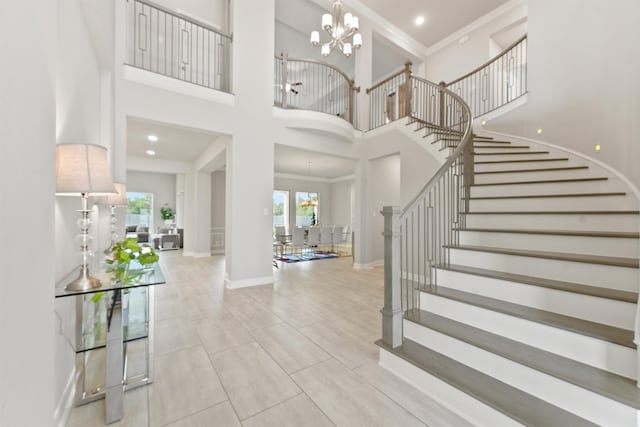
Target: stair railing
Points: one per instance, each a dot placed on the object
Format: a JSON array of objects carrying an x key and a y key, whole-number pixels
[
  {"x": 417, "y": 238},
  {"x": 390, "y": 99},
  {"x": 497, "y": 82},
  {"x": 306, "y": 84},
  {"x": 174, "y": 45}
]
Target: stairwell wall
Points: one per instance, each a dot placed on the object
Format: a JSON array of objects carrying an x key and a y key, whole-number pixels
[{"x": 583, "y": 72}]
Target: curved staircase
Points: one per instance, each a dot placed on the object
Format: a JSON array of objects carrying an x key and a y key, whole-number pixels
[{"x": 532, "y": 318}]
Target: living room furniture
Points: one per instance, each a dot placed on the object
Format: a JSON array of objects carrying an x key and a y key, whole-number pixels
[
  {"x": 139, "y": 231},
  {"x": 126, "y": 317},
  {"x": 166, "y": 241}
]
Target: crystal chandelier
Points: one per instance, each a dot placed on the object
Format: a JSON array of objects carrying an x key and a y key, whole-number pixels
[{"x": 343, "y": 31}]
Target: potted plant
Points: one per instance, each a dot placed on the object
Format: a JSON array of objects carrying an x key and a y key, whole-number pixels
[{"x": 167, "y": 213}]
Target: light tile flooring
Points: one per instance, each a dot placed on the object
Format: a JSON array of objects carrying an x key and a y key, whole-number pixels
[{"x": 296, "y": 353}]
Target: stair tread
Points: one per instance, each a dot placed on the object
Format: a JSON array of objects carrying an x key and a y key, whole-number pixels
[
  {"x": 501, "y": 146},
  {"x": 612, "y": 334},
  {"x": 511, "y": 154},
  {"x": 536, "y": 196},
  {"x": 578, "y": 288},
  {"x": 543, "y": 181},
  {"x": 560, "y": 256},
  {"x": 613, "y": 386},
  {"x": 621, "y": 212},
  {"x": 586, "y": 233},
  {"x": 554, "y": 159},
  {"x": 506, "y": 399},
  {"x": 568, "y": 168}
]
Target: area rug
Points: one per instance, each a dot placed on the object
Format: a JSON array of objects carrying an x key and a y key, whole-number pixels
[{"x": 307, "y": 256}]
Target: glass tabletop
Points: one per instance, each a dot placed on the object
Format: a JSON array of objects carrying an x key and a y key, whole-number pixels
[{"x": 114, "y": 279}]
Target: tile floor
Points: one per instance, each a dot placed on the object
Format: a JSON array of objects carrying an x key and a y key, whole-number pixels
[{"x": 296, "y": 353}]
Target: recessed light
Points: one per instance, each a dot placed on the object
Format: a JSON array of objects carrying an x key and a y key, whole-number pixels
[
  {"x": 539, "y": 131},
  {"x": 151, "y": 152},
  {"x": 484, "y": 122},
  {"x": 419, "y": 20},
  {"x": 152, "y": 138},
  {"x": 598, "y": 147}
]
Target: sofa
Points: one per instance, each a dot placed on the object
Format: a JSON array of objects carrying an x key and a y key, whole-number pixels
[{"x": 139, "y": 231}]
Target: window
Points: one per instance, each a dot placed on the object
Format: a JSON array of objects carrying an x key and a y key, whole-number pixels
[
  {"x": 280, "y": 208},
  {"x": 140, "y": 209},
  {"x": 306, "y": 209}
]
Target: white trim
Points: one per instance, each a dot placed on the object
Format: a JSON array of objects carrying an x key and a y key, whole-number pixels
[
  {"x": 483, "y": 20},
  {"x": 65, "y": 404},
  {"x": 369, "y": 265},
  {"x": 247, "y": 283},
  {"x": 149, "y": 78},
  {"x": 314, "y": 178}
]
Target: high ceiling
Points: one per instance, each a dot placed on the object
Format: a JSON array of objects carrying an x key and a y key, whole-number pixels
[
  {"x": 442, "y": 17},
  {"x": 295, "y": 161}
]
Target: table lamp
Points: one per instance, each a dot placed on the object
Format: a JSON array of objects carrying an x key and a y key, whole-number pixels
[
  {"x": 83, "y": 169},
  {"x": 114, "y": 201}
]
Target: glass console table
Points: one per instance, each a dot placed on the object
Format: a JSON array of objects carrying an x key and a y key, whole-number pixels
[{"x": 114, "y": 325}]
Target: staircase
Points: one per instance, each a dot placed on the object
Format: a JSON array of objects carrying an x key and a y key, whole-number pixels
[{"x": 529, "y": 319}]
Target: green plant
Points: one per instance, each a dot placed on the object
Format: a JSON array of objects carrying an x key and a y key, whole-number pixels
[
  {"x": 129, "y": 250},
  {"x": 166, "y": 212}
]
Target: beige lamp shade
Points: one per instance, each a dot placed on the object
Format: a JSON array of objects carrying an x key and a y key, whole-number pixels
[
  {"x": 119, "y": 199},
  {"x": 82, "y": 168}
]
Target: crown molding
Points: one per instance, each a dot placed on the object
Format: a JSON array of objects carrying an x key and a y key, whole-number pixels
[
  {"x": 314, "y": 178},
  {"x": 478, "y": 23}
]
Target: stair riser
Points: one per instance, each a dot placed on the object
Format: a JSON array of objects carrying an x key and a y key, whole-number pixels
[
  {"x": 476, "y": 412},
  {"x": 611, "y": 246},
  {"x": 569, "y": 397},
  {"x": 595, "y": 222},
  {"x": 591, "y": 351},
  {"x": 506, "y": 157},
  {"x": 578, "y": 272},
  {"x": 589, "y": 203},
  {"x": 543, "y": 188},
  {"x": 533, "y": 176},
  {"x": 600, "y": 310}
]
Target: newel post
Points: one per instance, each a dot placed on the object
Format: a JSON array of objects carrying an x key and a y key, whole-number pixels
[
  {"x": 441, "y": 104},
  {"x": 392, "y": 310}
]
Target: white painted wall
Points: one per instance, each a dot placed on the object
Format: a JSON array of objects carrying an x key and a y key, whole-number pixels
[
  {"x": 218, "y": 184},
  {"x": 583, "y": 80},
  {"x": 454, "y": 60},
  {"x": 27, "y": 169},
  {"x": 163, "y": 188},
  {"x": 384, "y": 184},
  {"x": 341, "y": 209}
]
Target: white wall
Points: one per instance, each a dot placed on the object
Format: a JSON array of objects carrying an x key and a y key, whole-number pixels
[
  {"x": 27, "y": 168},
  {"x": 341, "y": 210},
  {"x": 455, "y": 60},
  {"x": 163, "y": 187},
  {"x": 384, "y": 184},
  {"x": 583, "y": 80}
]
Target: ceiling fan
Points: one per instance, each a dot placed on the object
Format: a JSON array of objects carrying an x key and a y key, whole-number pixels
[{"x": 291, "y": 87}]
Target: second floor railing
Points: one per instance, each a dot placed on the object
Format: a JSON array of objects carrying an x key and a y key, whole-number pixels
[
  {"x": 494, "y": 84},
  {"x": 317, "y": 86},
  {"x": 174, "y": 45},
  {"x": 499, "y": 81}
]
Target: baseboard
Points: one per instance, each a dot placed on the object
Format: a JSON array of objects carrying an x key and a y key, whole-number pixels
[
  {"x": 368, "y": 265},
  {"x": 247, "y": 283},
  {"x": 63, "y": 408}
]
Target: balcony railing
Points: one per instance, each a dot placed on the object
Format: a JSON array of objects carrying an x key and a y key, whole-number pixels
[
  {"x": 306, "y": 84},
  {"x": 498, "y": 82},
  {"x": 171, "y": 44}
]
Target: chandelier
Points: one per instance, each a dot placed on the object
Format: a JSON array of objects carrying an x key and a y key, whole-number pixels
[{"x": 343, "y": 31}]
